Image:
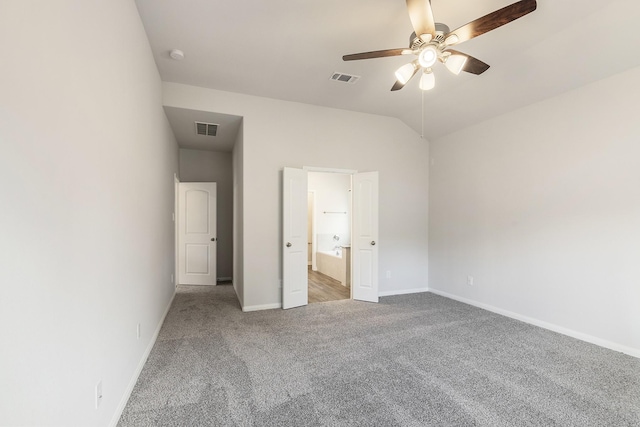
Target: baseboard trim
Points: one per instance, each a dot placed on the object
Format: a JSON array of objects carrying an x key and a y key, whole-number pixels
[
  {"x": 403, "y": 292},
  {"x": 261, "y": 307},
  {"x": 545, "y": 325},
  {"x": 136, "y": 374}
]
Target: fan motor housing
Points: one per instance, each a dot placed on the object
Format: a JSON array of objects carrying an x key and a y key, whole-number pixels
[{"x": 416, "y": 42}]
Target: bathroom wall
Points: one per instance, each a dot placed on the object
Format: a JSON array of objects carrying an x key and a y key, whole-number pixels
[{"x": 332, "y": 194}]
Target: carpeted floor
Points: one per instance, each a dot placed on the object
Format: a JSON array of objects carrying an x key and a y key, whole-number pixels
[{"x": 413, "y": 360}]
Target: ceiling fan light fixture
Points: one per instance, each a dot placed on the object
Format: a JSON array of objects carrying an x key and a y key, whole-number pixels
[
  {"x": 404, "y": 73},
  {"x": 452, "y": 39},
  {"x": 455, "y": 63},
  {"x": 428, "y": 80},
  {"x": 426, "y": 37},
  {"x": 428, "y": 56}
]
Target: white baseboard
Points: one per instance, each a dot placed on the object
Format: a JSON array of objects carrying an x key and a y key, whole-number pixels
[
  {"x": 261, "y": 307},
  {"x": 136, "y": 374},
  {"x": 402, "y": 292},
  {"x": 550, "y": 326}
]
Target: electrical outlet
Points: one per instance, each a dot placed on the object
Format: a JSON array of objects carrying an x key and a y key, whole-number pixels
[
  {"x": 388, "y": 274},
  {"x": 172, "y": 278},
  {"x": 138, "y": 331},
  {"x": 470, "y": 280},
  {"x": 98, "y": 394}
]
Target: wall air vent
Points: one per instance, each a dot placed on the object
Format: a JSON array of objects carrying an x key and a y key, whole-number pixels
[
  {"x": 346, "y": 78},
  {"x": 206, "y": 129}
]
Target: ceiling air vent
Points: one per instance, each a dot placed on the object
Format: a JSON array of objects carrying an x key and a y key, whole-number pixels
[
  {"x": 346, "y": 78},
  {"x": 206, "y": 129}
]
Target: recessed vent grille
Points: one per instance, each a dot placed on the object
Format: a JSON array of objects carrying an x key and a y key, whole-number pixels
[
  {"x": 206, "y": 129},
  {"x": 346, "y": 78}
]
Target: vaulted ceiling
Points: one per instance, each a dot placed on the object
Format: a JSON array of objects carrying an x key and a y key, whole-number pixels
[{"x": 288, "y": 50}]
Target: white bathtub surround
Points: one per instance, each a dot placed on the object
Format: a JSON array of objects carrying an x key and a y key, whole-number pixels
[
  {"x": 336, "y": 264},
  {"x": 332, "y": 242}
]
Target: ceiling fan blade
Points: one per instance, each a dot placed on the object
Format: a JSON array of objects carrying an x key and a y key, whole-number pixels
[
  {"x": 398, "y": 85},
  {"x": 377, "y": 54},
  {"x": 421, "y": 17},
  {"x": 492, "y": 21},
  {"x": 472, "y": 65}
]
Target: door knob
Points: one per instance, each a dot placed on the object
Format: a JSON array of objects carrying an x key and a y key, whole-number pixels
[
  {"x": 373, "y": 243},
  {"x": 288, "y": 244},
  {"x": 213, "y": 239}
]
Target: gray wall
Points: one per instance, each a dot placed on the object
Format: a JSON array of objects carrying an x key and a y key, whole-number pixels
[
  {"x": 86, "y": 177},
  {"x": 212, "y": 166},
  {"x": 278, "y": 134},
  {"x": 542, "y": 207},
  {"x": 238, "y": 214}
]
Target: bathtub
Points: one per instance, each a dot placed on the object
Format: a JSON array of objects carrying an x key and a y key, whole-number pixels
[{"x": 335, "y": 264}]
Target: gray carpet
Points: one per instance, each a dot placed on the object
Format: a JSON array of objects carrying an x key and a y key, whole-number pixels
[{"x": 414, "y": 360}]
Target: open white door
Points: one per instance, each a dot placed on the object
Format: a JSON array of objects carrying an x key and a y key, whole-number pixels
[
  {"x": 364, "y": 240},
  {"x": 197, "y": 233},
  {"x": 294, "y": 238}
]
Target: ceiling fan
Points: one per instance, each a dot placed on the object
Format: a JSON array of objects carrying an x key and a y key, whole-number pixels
[{"x": 431, "y": 42}]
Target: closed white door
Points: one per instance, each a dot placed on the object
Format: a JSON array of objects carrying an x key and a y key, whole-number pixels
[
  {"x": 197, "y": 233},
  {"x": 294, "y": 238},
  {"x": 364, "y": 240}
]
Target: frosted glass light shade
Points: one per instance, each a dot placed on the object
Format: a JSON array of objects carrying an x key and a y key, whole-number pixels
[
  {"x": 455, "y": 63},
  {"x": 452, "y": 39},
  {"x": 428, "y": 56},
  {"x": 427, "y": 81},
  {"x": 404, "y": 73}
]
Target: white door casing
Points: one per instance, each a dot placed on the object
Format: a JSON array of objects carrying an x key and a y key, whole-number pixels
[
  {"x": 364, "y": 240},
  {"x": 294, "y": 238},
  {"x": 197, "y": 233}
]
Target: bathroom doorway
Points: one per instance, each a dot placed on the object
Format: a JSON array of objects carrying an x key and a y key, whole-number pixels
[{"x": 329, "y": 233}]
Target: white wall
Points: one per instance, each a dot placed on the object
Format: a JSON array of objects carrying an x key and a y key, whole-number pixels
[
  {"x": 332, "y": 195},
  {"x": 86, "y": 177},
  {"x": 238, "y": 216},
  {"x": 279, "y": 134},
  {"x": 213, "y": 166},
  {"x": 542, "y": 207}
]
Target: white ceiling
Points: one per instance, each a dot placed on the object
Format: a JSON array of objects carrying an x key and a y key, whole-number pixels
[{"x": 287, "y": 50}]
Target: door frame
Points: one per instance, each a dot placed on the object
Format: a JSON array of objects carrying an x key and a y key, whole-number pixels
[
  {"x": 176, "y": 190},
  {"x": 314, "y": 243},
  {"x": 212, "y": 235},
  {"x": 349, "y": 172}
]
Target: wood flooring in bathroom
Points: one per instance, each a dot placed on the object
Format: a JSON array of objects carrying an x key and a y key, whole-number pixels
[{"x": 323, "y": 288}]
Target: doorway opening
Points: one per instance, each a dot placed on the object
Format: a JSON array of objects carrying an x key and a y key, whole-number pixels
[
  {"x": 329, "y": 236},
  {"x": 363, "y": 235}
]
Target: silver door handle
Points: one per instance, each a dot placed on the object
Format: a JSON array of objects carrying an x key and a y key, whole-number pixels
[
  {"x": 288, "y": 244},
  {"x": 373, "y": 243},
  {"x": 213, "y": 239}
]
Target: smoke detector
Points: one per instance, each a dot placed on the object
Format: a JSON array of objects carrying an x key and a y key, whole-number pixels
[{"x": 177, "y": 54}]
